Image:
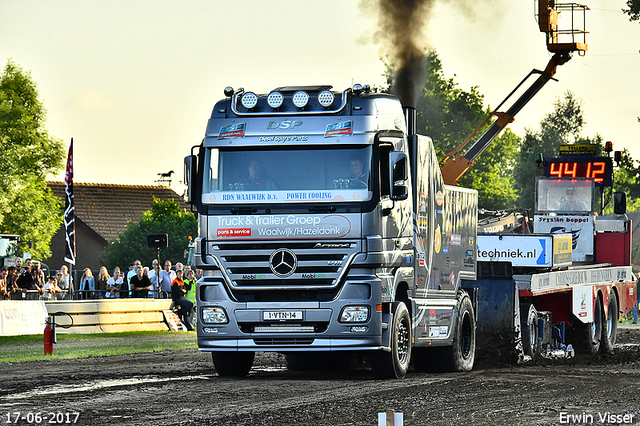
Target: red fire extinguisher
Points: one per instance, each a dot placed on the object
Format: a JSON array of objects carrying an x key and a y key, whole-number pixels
[{"x": 49, "y": 335}]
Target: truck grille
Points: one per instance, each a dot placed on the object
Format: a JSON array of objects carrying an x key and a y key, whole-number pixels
[{"x": 305, "y": 265}]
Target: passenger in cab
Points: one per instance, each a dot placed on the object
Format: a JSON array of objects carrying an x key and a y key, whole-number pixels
[{"x": 258, "y": 179}]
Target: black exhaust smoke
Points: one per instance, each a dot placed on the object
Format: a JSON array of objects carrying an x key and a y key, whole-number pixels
[{"x": 401, "y": 23}]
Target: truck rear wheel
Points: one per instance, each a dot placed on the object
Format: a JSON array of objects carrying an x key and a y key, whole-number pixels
[
  {"x": 529, "y": 314},
  {"x": 610, "y": 329},
  {"x": 460, "y": 356},
  {"x": 233, "y": 364},
  {"x": 394, "y": 364}
]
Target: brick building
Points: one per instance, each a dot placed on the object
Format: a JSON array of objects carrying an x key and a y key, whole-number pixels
[{"x": 102, "y": 211}]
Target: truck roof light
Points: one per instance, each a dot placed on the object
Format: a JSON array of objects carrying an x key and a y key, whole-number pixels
[
  {"x": 300, "y": 99},
  {"x": 357, "y": 89},
  {"x": 228, "y": 91},
  {"x": 275, "y": 99},
  {"x": 249, "y": 100},
  {"x": 325, "y": 98}
]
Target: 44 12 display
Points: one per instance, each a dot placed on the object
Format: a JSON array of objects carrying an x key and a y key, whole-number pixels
[{"x": 600, "y": 169}]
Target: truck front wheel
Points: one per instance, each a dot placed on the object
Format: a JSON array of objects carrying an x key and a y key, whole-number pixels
[
  {"x": 233, "y": 364},
  {"x": 394, "y": 364}
]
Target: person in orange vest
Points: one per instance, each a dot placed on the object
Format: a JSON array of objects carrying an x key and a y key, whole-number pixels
[{"x": 177, "y": 294}]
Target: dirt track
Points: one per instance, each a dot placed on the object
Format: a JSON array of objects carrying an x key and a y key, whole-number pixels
[{"x": 176, "y": 388}]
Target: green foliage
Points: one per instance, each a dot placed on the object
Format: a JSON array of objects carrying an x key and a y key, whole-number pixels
[
  {"x": 626, "y": 178},
  {"x": 448, "y": 114},
  {"x": 28, "y": 348},
  {"x": 634, "y": 10},
  {"x": 29, "y": 155},
  {"x": 492, "y": 175},
  {"x": 164, "y": 217}
]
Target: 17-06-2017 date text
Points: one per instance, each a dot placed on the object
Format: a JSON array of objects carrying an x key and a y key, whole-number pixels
[{"x": 37, "y": 417}]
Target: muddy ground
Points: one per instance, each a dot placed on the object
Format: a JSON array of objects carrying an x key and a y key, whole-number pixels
[{"x": 182, "y": 388}]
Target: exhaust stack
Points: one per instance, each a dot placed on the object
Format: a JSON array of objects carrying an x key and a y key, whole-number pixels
[{"x": 410, "y": 117}]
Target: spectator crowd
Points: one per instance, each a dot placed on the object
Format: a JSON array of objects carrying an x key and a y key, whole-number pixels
[{"x": 28, "y": 281}]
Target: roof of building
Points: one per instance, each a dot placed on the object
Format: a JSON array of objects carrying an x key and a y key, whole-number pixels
[{"x": 107, "y": 208}]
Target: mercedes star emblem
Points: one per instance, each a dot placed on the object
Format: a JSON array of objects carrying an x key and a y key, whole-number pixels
[{"x": 283, "y": 262}]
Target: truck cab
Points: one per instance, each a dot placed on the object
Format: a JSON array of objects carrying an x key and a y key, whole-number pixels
[{"x": 324, "y": 226}]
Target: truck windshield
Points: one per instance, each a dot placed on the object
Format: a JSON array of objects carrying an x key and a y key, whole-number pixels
[
  {"x": 287, "y": 175},
  {"x": 570, "y": 196}
]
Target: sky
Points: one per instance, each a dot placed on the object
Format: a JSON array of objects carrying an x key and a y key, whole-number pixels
[{"x": 133, "y": 82}]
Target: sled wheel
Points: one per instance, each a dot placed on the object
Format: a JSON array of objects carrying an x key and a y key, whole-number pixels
[
  {"x": 530, "y": 330},
  {"x": 592, "y": 333},
  {"x": 610, "y": 329}
]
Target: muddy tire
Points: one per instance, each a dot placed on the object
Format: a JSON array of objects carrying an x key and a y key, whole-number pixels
[
  {"x": 460, "y": 356},
  {"x": 610, "y": 325},
  {"x": 529, "y": 315},
  {"x": 233, "y": 364},
  {"x": 394, "y": 364}
]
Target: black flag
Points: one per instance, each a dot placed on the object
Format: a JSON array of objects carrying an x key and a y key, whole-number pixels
[{"x": 69, "y": 211}]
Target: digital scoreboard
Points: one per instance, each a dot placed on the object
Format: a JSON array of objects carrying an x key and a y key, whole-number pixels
[{"x": 600, "y": 169}]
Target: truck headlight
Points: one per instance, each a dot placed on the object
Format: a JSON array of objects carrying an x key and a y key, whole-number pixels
[
  {"x": 354, "y": 314},
  {"x": 214, "y": 316}
]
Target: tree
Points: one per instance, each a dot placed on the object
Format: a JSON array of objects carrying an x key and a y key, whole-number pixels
[
  {"x": 164, "y": 217},
  {"x": 29, "y": 155},
  {"x": 448, "y": 115},
  {"x": 626, "y": 178},
  {"x": 634, "y": 10}
]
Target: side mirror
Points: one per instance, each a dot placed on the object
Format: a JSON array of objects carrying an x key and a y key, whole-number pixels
[
  {"x": 189, "y": 178},
  {"x": 619, "y": 202},
  {"x": 398, "y": 175}
]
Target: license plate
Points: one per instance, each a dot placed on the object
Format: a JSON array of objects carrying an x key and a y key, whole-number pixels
[{"x": 281, "y": 315}]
